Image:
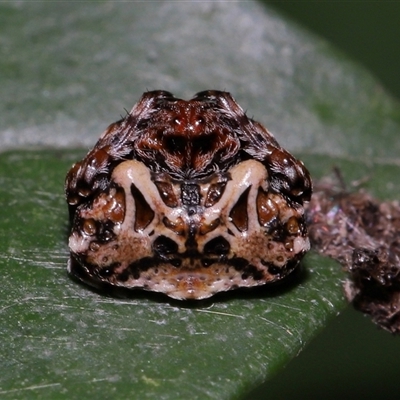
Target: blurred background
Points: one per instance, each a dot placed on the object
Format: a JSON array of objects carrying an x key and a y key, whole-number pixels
[
  {"x": 368, "y": 31},
  {"x": 352, "y": 358}
]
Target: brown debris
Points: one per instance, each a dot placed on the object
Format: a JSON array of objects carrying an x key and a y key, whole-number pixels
[{"x": 363, "y": 234}]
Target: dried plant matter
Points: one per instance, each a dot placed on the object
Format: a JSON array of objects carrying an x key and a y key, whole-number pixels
[{"x": 363, "y": 234}]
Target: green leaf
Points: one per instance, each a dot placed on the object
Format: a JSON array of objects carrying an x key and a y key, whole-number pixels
[{"x": 68, "y": 70}]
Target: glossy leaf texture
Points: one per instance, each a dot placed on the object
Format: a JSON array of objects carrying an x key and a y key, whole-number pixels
[{"x": 70, "y": 69}]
